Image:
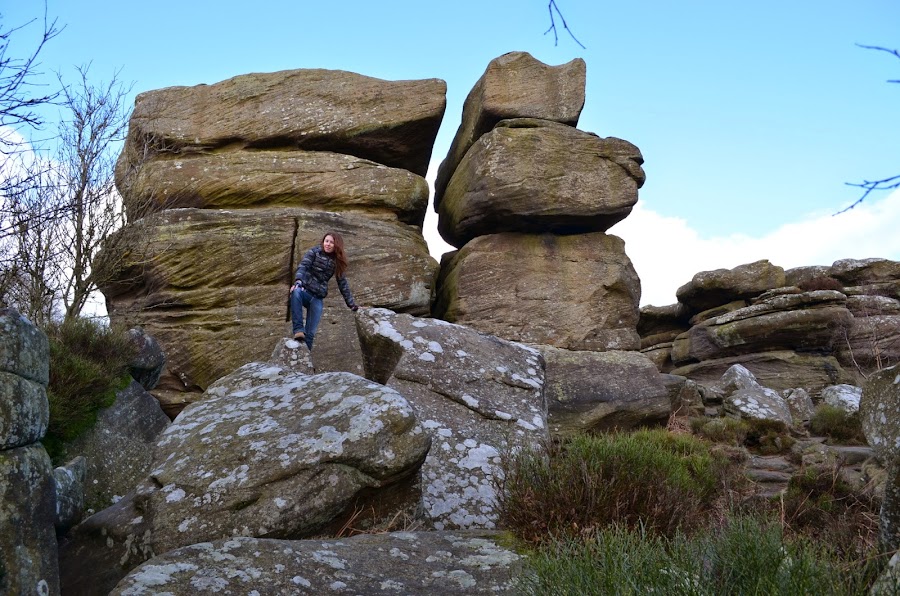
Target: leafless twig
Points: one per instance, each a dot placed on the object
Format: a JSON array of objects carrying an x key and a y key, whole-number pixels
[{"x": 551, "y": 7}]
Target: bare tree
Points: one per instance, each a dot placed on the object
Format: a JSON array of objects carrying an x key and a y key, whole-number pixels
[
  {"x": 90, "y": 135},
  {"x": 870, "y": 186}
]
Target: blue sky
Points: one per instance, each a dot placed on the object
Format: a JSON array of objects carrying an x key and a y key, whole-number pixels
[{"x": 751, "y": 116}]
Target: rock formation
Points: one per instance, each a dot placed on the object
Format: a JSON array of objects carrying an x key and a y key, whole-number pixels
[
  {"x": 527, "y": 198},
  {"x": 226, "y": 187},
  {"x": 807, "y": 327},
  {"x": 28, "y": 555}
]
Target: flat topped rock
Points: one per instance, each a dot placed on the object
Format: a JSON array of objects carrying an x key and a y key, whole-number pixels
[{"x": 389, "y": 122}]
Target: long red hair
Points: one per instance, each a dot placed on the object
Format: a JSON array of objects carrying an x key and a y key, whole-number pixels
[{"x": 340, "y": 258}]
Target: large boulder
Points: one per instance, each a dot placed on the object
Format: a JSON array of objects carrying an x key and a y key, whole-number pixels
[
  {"x": 811, "y": 321},
  {"x": 576, "y": 292},
  {"x": 118, "y": 449},
  {"x": 435, "y": 563},
  {"x": 478, "y": 396},
  {"x": 592, "y": 391},
  {"x": 28, "y": 552},
  {"x": 24, "y": 410},
  {"x": 390, "y": 122},
  {"x": 213, "y": 318},
  {"x": 247, "y": 179},
  {"x": 274, "y": 453},
  {"x": 514, "y": 85},
  {"x": 708, "y": 289},
  {"x": 536, "y": 176},
  {"x": 149, "y": 361},
  {"x": 24, "y": 348}
]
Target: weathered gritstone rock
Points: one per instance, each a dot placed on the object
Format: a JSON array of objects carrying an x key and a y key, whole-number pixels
[
  {"x": 478, "y": 396},
  {"x": 663, "y": 319},
  {"x": 535, "y": 176},
  {"x": 844, "y": 396},
  {"x": 879, "y": 414},
  {"x": 871, "y": 343},
  {"x": 814, "y": 327},
  {"x": 857, "y": 272},
  {"x": 69, "y": 482},
  {"x": 147, "y": 365},
  {"x": 514, "y": 85},
  {"x": 213, "y": 318},
  {"x": 246, "y": 179},
  {"x": 780, "y": 370},
  {"x": 880, "y": 420},
  {"x": 390, "y": 122},
  {"x": 595, "y": 391},
  {"x": 24, "y": 349},
  {"x": 435, "y": 563},
  {"x": 709, "y": 289},
  {"x": 576, "y": 292},
  {"x": 800, "y": 404},
  {"x": 28, "y": 558},
  {"x": 119, "y": 447},
  {"x": 274, "y": 453},
  {"x": 744, "y": 397},
  {"x": 24, "y": 411}
]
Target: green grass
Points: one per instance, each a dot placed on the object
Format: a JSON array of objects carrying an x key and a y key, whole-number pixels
[
  {"x": 652, "y": 479},
  {"x": 88, "y": 364},
  {"x": 745, "y": 556}
]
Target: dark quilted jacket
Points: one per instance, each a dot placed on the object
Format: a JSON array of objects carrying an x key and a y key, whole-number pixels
[{"x": 316, "y": 269}]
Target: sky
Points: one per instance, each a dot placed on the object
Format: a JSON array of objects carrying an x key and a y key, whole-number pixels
[{"x": 752, "y": 117}]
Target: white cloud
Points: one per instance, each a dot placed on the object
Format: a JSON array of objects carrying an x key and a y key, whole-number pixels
[{"x": 667, "y": 252}]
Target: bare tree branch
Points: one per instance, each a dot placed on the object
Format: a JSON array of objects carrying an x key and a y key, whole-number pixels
[
  {"x": 551, "y": 8},
  {"x": 881, "y": 49}
]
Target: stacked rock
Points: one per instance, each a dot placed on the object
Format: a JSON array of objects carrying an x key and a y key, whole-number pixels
[
  {"x": 28, "y": 508},
  {"x": 527, "y": 199},
  {"x": 227, "y": 185},
  {"x": 808, "y": 327}
]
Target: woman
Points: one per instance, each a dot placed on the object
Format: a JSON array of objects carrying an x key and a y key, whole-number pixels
[{"x": 311, "y": 285}]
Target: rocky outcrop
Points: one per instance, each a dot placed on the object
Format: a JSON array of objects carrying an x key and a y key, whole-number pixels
[
  {"x": 478, "y": 397},
  {"x": 389, "y": 122},
  {"x": 439, "y": 563},
  {"x": 514, "y": 85},
  {"x": 577, "y": 292},
  {"x": 212, "y": 285},
  {"x": 806, "y": 327},
  {"x": 881, "y": 425},
  {"x": 270, "y": 452},
  {"x": 28, "y": 507},
  {"x": 227, "y": 186}
]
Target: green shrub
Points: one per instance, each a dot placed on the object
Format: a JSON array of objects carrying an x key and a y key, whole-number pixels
[
  {"x": 837, "y": 424},
  {"x": 768, "y": 437},
  {"x": 728, "y": 431},
  {"x": 88, "y": 364},
  {"x": 745, "y": 555},
  {"x": 652, "y": 479}
]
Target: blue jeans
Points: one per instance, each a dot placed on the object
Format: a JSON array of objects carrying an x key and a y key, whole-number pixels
[{"x": 301, "y": 299}]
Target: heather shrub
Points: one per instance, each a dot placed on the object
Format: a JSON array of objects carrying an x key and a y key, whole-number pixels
[
  {"x": 768, "y": 437},
  {"x": 88, "y": 364},
  {"x": 822, "y": 282},
  {"x": 651, "y": 479},
  {"x": 837, "y": 424},
  {"x": 728, "y": 431}
]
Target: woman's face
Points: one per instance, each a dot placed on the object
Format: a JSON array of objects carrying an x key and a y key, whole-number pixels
[{"x": 328, "y": 243}]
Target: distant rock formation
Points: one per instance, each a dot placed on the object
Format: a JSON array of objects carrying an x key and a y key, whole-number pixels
[
  {"x": 227, "y": 186},
  {"x": 807, "y": 327}
]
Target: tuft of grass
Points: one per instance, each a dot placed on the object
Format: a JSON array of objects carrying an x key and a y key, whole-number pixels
[
  {"x": 728, "y": 431},
  {"x": 652, "y": 479},
  {"x": 88, "y": 364},
  {"x": 837, "y": 424},
  {"x": 746, "y": 555}
]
